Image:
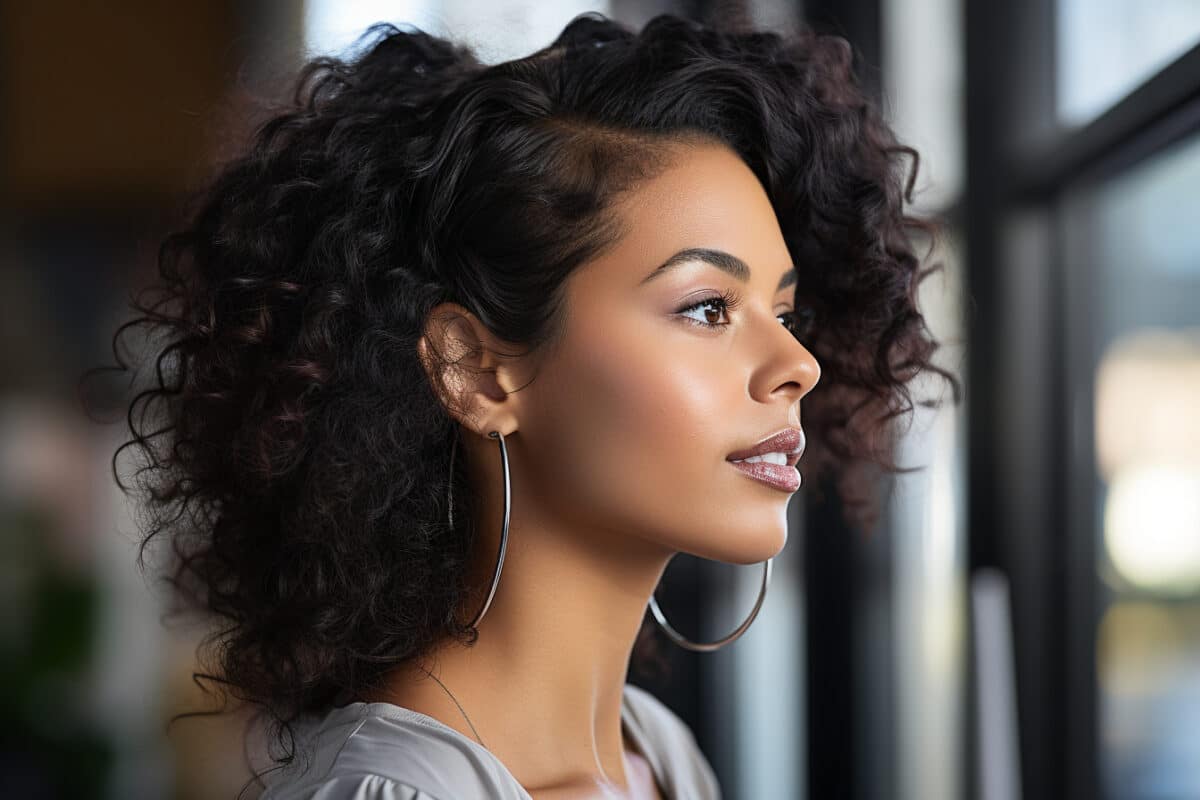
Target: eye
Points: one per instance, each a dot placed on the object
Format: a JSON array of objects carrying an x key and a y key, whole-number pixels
[
  {"x": 717, "y": 304},
  {"x": 799, "y": 321}
]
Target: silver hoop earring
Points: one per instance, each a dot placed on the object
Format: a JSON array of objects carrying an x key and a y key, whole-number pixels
[
  {"x": 708, "y": 647},
  {"x": 659, "y": 617},
  {"x": 503, "y": 531}
]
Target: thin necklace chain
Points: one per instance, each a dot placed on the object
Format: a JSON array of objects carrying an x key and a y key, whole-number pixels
[
  {"x": 455, "y": 699},
  {"x": 460, "y": 708}
]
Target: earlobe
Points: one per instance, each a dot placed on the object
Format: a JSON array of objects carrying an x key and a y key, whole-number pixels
[{"x": 460, "y": 358}]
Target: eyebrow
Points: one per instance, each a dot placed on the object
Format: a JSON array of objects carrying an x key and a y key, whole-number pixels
[{"x": 726, "y": 262}]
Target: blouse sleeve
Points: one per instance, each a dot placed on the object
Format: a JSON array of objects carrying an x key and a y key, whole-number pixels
[{"x": 367, "y": 787}]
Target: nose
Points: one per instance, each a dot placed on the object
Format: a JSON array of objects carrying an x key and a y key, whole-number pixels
[{"x": 785, "y": 367}]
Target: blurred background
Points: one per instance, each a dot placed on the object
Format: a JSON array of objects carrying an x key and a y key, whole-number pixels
[{"x": 1023, "y": 622}]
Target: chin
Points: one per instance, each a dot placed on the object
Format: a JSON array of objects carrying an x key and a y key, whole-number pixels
[{"x": 745, "y": 546}]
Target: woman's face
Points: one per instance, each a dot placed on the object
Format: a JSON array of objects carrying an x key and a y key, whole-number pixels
[{"x": 634, "y": 412}]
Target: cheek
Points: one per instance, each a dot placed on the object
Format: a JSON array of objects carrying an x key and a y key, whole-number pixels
[
  {"x": 639, "y": 421},
  {"x": 652, "y": 407},
  {"x": 628, "y": 431}
]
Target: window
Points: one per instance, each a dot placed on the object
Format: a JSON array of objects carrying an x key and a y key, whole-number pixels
[
  {"x": 1083, "y": 268},
  {"x": 1137, "y": 235},
  {"x": 1107, "y": 47}
]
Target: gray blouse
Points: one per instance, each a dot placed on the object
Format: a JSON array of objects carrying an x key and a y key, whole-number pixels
[{"x": 381, "y": 751}]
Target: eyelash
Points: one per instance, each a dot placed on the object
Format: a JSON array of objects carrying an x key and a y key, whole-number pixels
[{"x": 800, "y": 323}]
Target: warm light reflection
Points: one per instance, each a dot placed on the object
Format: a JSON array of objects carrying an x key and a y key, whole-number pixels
[
  {"x": 1148, "y": 401},
  {"x": 1146, "y": 660},
  {"x": 1148, "y": 451},
  {"x": 1152, "y": 526}
]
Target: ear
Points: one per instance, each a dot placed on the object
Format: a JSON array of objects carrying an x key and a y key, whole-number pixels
[{"x": 472, "y": 372}]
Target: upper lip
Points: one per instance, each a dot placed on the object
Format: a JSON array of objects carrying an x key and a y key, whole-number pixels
[{"x": 789, "y": 441}]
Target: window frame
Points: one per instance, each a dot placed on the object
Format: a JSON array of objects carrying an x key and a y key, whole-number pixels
[{"x": 1023, "y": 241}]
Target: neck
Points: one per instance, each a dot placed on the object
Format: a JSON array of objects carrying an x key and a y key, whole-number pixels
[{"x": 542, "y": 686}]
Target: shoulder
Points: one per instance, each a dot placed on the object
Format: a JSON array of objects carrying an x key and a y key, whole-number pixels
[
  {"x": 672, "y": 744},
  {"x": 377, "y": 751},
  {"x": 654, "y": 716}
]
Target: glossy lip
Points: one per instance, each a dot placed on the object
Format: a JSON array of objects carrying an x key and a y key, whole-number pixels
[
  {"x": 789, "y": 441},
  {"x": 774, "y": 475}
]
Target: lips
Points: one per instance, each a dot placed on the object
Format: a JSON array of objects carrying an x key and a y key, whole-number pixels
[{"x": 789, "y": 441}]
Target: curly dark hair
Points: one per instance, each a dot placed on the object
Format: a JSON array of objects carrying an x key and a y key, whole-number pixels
[{"x": 296, "y": 453}]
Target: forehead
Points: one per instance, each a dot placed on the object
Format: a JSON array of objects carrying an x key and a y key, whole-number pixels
[{"x": 706, "y": 197}]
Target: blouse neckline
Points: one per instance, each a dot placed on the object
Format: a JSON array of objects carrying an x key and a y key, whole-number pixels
[{"x": 381, "y": 708}]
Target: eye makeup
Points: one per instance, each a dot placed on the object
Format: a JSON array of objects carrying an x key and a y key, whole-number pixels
[
  {"x": 799, "y": 321},
  {"x": 725, "y": 301}
]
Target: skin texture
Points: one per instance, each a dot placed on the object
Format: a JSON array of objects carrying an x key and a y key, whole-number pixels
[{"x": 617, "y": 437}]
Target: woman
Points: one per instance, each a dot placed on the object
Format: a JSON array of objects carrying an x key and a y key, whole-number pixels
[{"x": 458, "y": 357}]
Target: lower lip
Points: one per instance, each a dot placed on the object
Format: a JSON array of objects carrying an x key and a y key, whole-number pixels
[{"x": 784, "y": 477}]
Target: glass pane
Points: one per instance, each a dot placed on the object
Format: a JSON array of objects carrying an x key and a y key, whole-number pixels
[
  {"x": 497, "y": 30},
  {"x": 912, "y": 607},
  {"x": 922, "y": 76},
  {"x": 1106, "y": 48},
  {"x": 1147, "y": 444}
]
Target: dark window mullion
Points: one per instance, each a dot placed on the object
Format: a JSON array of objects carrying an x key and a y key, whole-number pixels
[{"x": 1171, "y": 97}]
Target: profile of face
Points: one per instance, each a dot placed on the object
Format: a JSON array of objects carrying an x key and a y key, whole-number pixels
[{"x": 625, "y": 430}]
